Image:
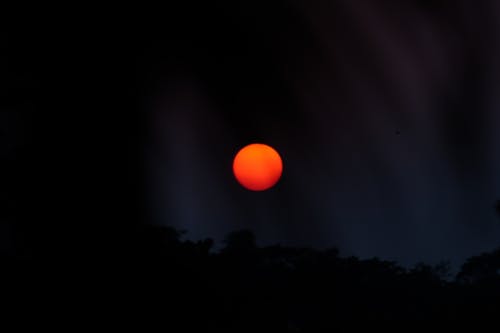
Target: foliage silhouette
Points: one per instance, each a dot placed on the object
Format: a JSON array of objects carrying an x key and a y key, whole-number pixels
[{"x": 186, "y": 285}]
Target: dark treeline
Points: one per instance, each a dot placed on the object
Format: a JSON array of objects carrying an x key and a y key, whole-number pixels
[{"x": 160, "y": 278}]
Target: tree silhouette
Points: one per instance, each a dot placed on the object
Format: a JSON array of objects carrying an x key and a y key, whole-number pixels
[
  {"x": 247, "y": 288},
  {"x": 240, "y": 241},
  {"x": 436, "y": 273},
  {"x": 485, "y": 267}
]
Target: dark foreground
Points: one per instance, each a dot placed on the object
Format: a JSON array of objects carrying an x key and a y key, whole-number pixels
[{"x": 158, "y": 280}]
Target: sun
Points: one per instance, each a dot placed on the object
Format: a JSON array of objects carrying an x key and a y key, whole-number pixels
[{"x": 257, "y": 167}]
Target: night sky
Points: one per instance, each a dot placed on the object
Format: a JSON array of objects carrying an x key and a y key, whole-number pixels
[{"x": 386, "y": 115}]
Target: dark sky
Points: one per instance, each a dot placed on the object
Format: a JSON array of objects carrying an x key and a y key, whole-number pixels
[{"x": 386, "y": 115}]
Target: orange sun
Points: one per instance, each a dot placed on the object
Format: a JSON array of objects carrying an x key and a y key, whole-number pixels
[{"x": 257, "y": 167}]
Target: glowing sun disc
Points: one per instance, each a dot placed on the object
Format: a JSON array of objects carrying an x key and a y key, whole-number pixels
[{"x": 257, "y": 167}]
